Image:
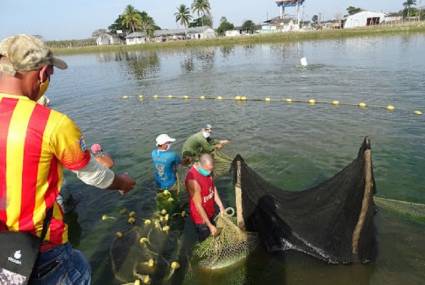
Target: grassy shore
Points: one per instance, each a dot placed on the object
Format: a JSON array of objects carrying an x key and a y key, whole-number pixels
[{"x": 256, "y": 39}]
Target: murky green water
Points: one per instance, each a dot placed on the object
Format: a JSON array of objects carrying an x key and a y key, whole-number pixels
[{"x": 294, "y": 146}]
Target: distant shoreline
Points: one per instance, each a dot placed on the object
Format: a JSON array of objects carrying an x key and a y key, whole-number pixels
[{"x": 254, "y": 39}]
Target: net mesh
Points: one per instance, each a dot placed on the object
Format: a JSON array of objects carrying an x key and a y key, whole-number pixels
[
  {"x": 222, "y": 163},
  {"x": 319, "y": 221},
  {"x": 414, "y": 210},
  {"x": 229, "y": 247}
]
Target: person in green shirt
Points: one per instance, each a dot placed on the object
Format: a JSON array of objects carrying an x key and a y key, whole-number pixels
[{"x": 200, "y": 143}]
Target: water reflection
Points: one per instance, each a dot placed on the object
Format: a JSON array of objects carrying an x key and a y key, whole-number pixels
[
  {"x": 288, "y": 50},
  {"x": 204, "y": 58},
  {"x": 249, "y": 49},
  {"x": 142, "y": 64},
  {"x": 226, "y": 51},
  {"x": 187, "y": 64}
]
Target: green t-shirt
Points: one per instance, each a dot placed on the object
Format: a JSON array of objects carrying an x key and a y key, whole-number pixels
[{"x": 196, "y": 144}]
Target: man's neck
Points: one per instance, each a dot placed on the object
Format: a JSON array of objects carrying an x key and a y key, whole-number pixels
[{"x": 11, "y": 85}]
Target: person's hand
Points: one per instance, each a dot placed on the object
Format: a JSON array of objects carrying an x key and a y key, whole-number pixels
[
  {"x": 186, "y": 161},
  {"x": 213, "y": 230},
  {"x": 222, "y": 210},
  {"x": 219, "y": 146},
  {"x": 223, "y": 142},
  {"x": 126, "y": 183}
]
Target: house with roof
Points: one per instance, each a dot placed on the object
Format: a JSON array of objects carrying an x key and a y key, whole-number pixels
[
  {"x": 279, "y": 24},
  {"x": 107, "y": 39},
  {"x": 197, "y": 33},
  {"x": 136, "y": 38},
  {"x": 364, "y": 19},
  {"x": 172, "y": 35}
]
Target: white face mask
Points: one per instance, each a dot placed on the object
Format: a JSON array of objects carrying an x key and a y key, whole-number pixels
[
  {"x": 168, "y": 147},
  {"x": 206, "y": 134}
]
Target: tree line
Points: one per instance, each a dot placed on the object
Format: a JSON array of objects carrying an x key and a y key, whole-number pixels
[
  {"x": 201, "y": 8},
  {"x": 197, "y": 15}
]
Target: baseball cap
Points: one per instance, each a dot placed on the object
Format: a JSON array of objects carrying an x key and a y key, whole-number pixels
[
  {"x": 26, "y": 53},
  {"x": 163, "y": 139},
  {"x": 208, "y": 127},
  {"x": 96, "y": 148}
]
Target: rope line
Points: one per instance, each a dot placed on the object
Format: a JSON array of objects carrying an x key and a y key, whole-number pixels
[{"x": 336, "y": 103}]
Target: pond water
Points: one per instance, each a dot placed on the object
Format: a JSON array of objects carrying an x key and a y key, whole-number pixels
[{"x": 291, "y": 145}]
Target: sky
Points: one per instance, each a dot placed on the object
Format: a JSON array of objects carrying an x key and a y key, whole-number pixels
[{"x": 77, "y": 19}]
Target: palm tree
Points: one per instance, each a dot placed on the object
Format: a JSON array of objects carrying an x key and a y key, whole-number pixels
[
  {"x": 147, "y": 24},
  {"x": 201, "y": 7},
  {"x": 408, "y": 5},
  {"x": 131, "y": 19},
  {"x": 183, "y": 15}
]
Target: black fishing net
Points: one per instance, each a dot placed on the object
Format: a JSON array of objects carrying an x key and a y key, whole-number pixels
[{"x": 320, "y": 221}]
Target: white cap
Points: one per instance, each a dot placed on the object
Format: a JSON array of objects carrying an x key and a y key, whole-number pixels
[
  {"x": 208, "y": 127},
  {"x": 163, "y": 139}
]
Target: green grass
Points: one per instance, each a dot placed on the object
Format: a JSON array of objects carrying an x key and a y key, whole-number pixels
[{"x": 256, "y": 39}]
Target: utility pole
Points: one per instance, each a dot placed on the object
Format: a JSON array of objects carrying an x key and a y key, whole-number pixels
[{"x": 298, "y": 14}]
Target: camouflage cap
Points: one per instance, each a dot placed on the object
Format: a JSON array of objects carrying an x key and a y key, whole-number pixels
[{"x": 26, "y": 53}]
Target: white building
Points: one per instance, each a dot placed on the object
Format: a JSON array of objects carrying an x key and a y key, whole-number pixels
[
  {"x": 107, "y": 39},
  {"x": 204, "y": 32},
  {"x": 135, "y": 38},
  {"x": 233, "y": 33},
  {"x": 363, "y": 19},
  {"x": 171, "y": 35},
  {"x": 278, "y": 24}
]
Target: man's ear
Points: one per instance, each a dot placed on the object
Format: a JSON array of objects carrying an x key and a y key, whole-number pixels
[{"x": 44, "y": 73}]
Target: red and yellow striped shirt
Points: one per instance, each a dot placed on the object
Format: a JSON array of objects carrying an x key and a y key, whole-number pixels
[{"x": 35, "y": 144}]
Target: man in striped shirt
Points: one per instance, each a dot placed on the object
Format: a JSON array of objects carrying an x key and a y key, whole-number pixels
[{"x": 36, "y": 143}]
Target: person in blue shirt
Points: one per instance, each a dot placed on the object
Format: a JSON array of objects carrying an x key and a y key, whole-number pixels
[{"x": 165, "y": 163}]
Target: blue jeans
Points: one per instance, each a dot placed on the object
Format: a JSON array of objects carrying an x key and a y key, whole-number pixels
[{"x": 61, "y": 265}]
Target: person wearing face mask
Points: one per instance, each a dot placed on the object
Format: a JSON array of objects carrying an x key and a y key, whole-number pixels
[
  {"x": 200, "y": 143},
  {"x": 203, "y": 196},
  {"x": 165, "y": 162},
  {"x": 36, "y": 143}
]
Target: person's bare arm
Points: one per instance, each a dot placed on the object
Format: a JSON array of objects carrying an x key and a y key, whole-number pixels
[
  {"x": 105, "y": 160},
  {"x": 123, "y": 183},
  {"x": 195, "y": 191},
  {"x": 218, "y": 200},
  {"x": 97, "y": 175}
]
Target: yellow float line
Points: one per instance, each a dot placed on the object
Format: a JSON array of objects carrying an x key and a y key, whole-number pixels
[{"x": 312, "y": 101}]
